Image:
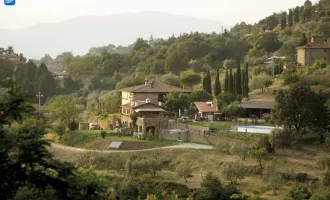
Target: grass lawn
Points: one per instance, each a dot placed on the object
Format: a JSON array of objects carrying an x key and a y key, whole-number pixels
[
  {"x": 212, "y": 124},
  {"x": 93, "y": 140}
]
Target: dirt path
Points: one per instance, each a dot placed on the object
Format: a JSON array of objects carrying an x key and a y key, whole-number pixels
[{"x": 185, "y": 145}]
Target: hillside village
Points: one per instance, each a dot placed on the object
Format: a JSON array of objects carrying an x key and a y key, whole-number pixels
[{"x": 242, "y": 114}]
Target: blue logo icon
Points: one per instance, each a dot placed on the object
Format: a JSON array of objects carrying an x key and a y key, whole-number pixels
[{"x": 10, "y": 2}]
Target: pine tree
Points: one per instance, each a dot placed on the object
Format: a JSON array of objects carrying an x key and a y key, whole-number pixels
[
  {"x": 230, "y": 81},
  {"x": 283, "y": 21},
  {"x": 238, "y": 84},
  {"x": 246, "y": 84},
  {"x": 217, "y": 85},
  {"x": 296, "y": 15},
  {"x": 226, "y": 82},
  {"x": 290, "y": 18}
]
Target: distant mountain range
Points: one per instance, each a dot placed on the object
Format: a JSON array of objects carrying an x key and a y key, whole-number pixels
[{"x": 81, "y": 33}]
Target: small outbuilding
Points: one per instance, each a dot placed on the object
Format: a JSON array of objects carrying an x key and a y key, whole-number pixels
[
  {"x": 207, "y": 111},
  {"x": 257, "y": 109}
]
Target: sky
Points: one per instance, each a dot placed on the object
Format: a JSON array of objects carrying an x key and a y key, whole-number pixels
[{"x": 29, "y": 12}]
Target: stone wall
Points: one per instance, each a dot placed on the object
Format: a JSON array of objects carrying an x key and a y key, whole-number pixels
[{"x": 196, "y": 134}]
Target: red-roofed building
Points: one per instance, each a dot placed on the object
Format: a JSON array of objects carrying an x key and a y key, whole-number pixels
[{"x": 208, "y": 111}]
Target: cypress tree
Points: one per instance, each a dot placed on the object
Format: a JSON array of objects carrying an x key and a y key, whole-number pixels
[
  {"x": 207, "y": 82},
  {"x": 243, "y": 83},
  {"x": 296, "y": 15},
  {"x": 226, "y": 82},
  {"x": 283, "y": 21},
  {"x": 246, "y": 84},
  {"x": 47, "y": 85},
  {"x": 217, "y": 85},
  {"x": 290, "y": 18},
  {"x": 230, "y": 81},
  {"x": 234, "y": 83},
  {"x": 238, "y": 84}
]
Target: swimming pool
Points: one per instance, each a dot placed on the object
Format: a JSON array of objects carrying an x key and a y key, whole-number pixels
[{"x": 256, "y": 129}]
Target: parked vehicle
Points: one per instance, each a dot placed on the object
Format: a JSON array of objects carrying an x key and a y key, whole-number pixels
[{"x": 94, "y": 126}]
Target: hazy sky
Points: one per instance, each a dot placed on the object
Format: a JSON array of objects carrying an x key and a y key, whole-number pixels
[{"x": 28, "y": 12}]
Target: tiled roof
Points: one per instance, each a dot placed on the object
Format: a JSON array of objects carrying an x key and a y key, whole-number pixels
[
  {"x": 136, "y": 104},
  {"x": 258, "y": 105},
  {"x": 204, "y": 107},
  {"x": 154, "y": 87},
  {"x": 314, "y": 46}
]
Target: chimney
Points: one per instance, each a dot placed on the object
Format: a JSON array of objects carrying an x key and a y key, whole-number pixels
[
  {"x": 160, "y": 103},
  {"x": 146, "y": 81},
  {"x": 147, "y": 100}
]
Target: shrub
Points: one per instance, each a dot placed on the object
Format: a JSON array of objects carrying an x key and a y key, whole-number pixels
[
  {"x": 233, "y": 171},
  {"x": 103, "y": 134},
  {"x": 298, "y": 193},
  {"x": 52, "y": 137},
  {"x": 59, "y": 128},
  {"x": 150, "y": 136},
  {"x": 328, "y": 12},
  {"x": 301, "y": 177},
  {"x": 326, "y": 178},
  {"x": 264, "y": 143},
  {"x": 273, "y": 177},
  {"x": 280, "y": 138},
  {"x": 73, "y": 126}
]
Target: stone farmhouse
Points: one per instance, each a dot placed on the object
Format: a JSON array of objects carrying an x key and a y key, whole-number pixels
[
  {"x": 142, "y": 106},
  {"x": 314, "y": 49}
]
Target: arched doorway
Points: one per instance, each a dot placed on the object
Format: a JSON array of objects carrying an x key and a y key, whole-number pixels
[{"x": 151, "y": 129}]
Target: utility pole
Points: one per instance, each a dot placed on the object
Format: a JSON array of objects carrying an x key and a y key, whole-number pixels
[{"x": 39, "y": 95}]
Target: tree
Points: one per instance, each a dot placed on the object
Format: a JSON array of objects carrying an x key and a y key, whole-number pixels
[
  {"x": 233, "y": 171},
  {"x": 268, "y": 42},
  {"x": 283, "y": 20},
  {"x": 229, "y": 64},
  {"x": 238, "y": 84},
  {"x": 63, "y": 108},
  {"x": 303, "y": 40},
  {"x": 207, "y": 82},
  {"x": 211, "y": 188},
  {"x": 184, "y": 171},
  {"x": 246, "y": 79},
  {"x": 240, "y": 149},
  {"x": 33, "y": 173},
  {"x": 261, "y": 81},
  {"x": 200, "y": 96},
  {"x": 47, "y": 85},
  {"x": 226, "y": 82},
  {"x": 299, "y": 113},
  {"x": 175, "y": 101},
  {"x": 6, "y": 69},
  {"x": 296, "y": 15},
  {"x": 234, "y": 83},
  {"x": 290, "y": 20},
  {"x": 10, "y": 49},
  {"x": 233, "y": 111},
  {"x": 272, "y": 175},
  {"x": 140, "y": 44},
  {"x": 224, "y": 99},
  {"x": 189, "y": 79},
  {"x": 231, "y": 82},
  {"x": 173, "y": 62},
  {"x": 259, "y": 155},
  {"x": 217, "y": 84},
  {"x": 149, "y": 165}
]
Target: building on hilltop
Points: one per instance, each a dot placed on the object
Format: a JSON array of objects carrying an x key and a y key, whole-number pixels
[{"x": 314, "y": 49}]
